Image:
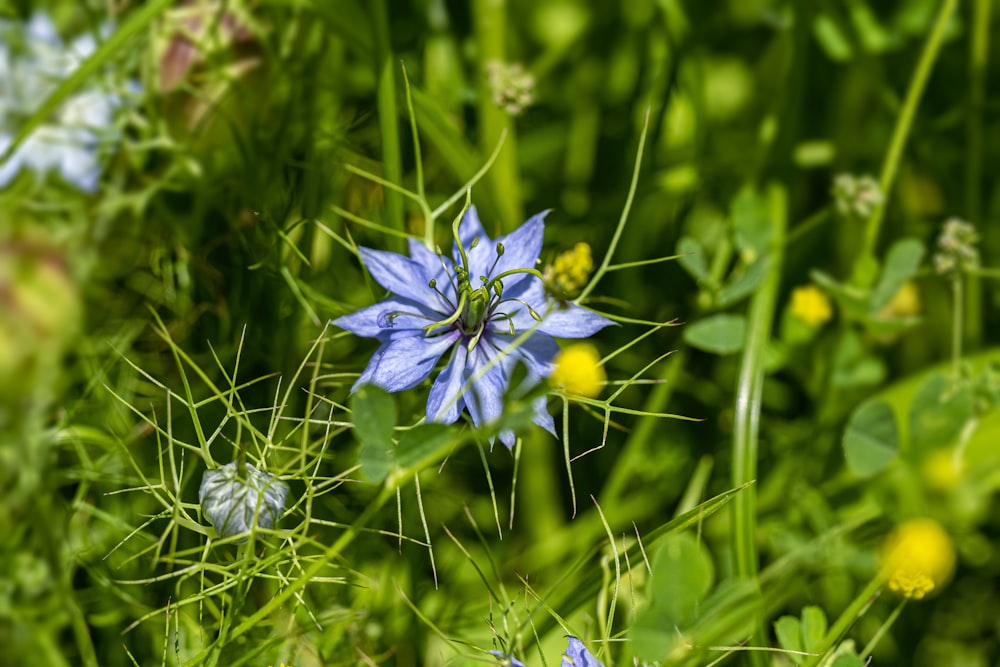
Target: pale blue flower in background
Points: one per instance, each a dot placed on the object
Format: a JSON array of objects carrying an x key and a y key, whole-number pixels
[
  {"x": 577, "y": 655},
  {"x": 507, "y": 659},
  {"x": 469, "y": 306},
  {"x": 33, "y": 61}
]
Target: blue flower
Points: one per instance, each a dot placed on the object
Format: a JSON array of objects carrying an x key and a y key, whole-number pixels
[
  {"x": 577, "y": 655},
  {"x": 507, "y": 660},
  {"x": 33, "y": 61},
  {"x": 468, "y": 307}
]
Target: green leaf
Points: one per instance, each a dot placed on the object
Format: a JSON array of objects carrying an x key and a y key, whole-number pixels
[
  {"x": 788, "y": 630},
  {"x": 682, "y": 576},
  {"x": 652, "y": 636},
  {"x": 719, "y": 334},
  {"x": 871, "y": 439},
  {"x": 854, "y": 365},
  {"x": 832, "y": 39},
  {"x": 847, "y": 660},
  {"x": 851, "y": 300},
  {"x": 752, "y": 219},
  {"x": 374, "y": 414},
  {"x": 939, "y": 412},
  {"x": 745, "y": 283},
  {"x": 425, "y": 442},
  {"x": 692, "y": 259},
  {"x": 901, "y": 264},
  {"x": 814, "y": 627}
]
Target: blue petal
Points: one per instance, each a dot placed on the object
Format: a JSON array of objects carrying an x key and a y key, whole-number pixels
[
  {"x": 542, "y": 416},
  {"x": 403, "y": 363},
  {"x": 572, "y": 321},
  {"x": 486, "y": 403},
  {"x": 514, "y": 662},
  {"x": 373, "y": 321},
  {"x": 398, "y": 274},
  {"x": 434, "y": 265},
  {"x": 444, "y": 403},
  {"x": 577, "y": 655},
  {"x": 537, "y": 353},
  {"x": 521, "y": 248},
  {"x": 469, "y": 229}
]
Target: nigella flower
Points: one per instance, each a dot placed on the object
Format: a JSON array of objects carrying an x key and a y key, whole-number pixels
[
  {"x": 507, "y": 660},
  {"x": 468, "y": 308},
  {"x": 577, "y": 655},
  {"x": 233, "y": 504},
  {"x": 33, "y": 61}
]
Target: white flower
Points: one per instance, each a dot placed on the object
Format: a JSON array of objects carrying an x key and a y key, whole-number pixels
[{"x": 33, "y": 62}]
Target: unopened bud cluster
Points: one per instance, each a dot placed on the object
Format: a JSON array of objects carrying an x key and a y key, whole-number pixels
[
  {"x": 512, "y": 87},
  {"x": 856, "y": 196},
  {"x": 568, "y": 274},
  {"x": 956, "y": 247}
]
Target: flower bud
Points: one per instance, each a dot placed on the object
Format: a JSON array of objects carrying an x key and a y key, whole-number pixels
[
  {"x": 917, "y": 558},
  {"x": 234, "y": 505},
  {"x": 578, "y": 371}
]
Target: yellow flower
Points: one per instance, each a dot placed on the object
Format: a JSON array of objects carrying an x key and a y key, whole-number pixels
[
  {"x": 904, "y": 303},
  {"x": 942, "y": 469},
  {"x": 811, "y": 305},
  {"x": 917, "y": 558},
  {"x": 568, "y": 274},
  {"x": 578, "y": 371}
]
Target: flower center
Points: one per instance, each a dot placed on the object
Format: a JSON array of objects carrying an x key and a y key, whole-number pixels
[{"x": 478, "y": 306}]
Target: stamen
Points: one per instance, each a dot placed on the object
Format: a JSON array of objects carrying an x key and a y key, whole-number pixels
[
  {"x": 531, "y": 311},
  {"x": 433, "y": 285},
  {"x": 533, "y": 272},
  {"x": 447, "y": 271},
  {"x": 471, "y": 345},
  {"x": 451, "y": 319},
  {"x": 500, "y": 251},
  {"x": 505, "y": 317}
]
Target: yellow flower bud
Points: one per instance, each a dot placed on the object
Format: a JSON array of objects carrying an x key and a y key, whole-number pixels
[
  {"x": 904, "y": 303},
  {"x": 578, "y": 371},
  {"x": 942, "y": 470},
  {"x": 811, "y": 305},
  {"x": 917, "y": 558},
  {"x": 568, "y": 274}
]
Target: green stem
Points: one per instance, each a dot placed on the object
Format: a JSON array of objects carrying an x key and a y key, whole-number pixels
[
  {"x": 884, "y": 628},
  {"x": 852, "y": 613},
  {"x": 979, "y": 47},
  {"x": 865, "y": 266},
  {"x": 957, "y": 319},
  {"x": 748, "y": 395},
  {"x": 491, "y": 30},
  {"x": 392, "y": 162},
  {"x": 538, "y": 484},
  {"x": 635, "y": 453},
  {"x": 606, "y": 262}
]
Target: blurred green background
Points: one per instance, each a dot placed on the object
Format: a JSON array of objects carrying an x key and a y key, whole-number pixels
[{"x": 181, "y": 303}]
